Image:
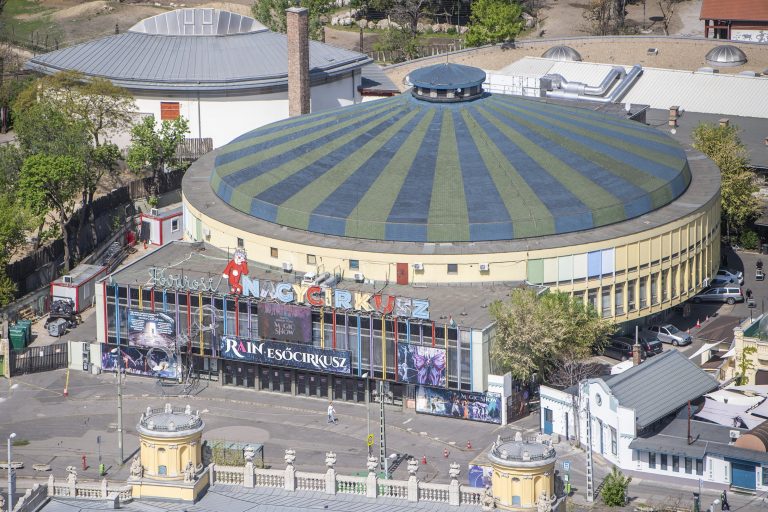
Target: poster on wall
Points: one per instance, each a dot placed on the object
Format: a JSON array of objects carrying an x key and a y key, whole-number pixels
[
  {"x": 151, "y": 362},
  {"x": 286, "y": 354},
  {"x": 480, "y": 476},
  {"x": 418, "y": 364},
  {"x": 148, "y": 329},
  {"x": 285, "y": 322},
  {"x": 485, "y": 407}
]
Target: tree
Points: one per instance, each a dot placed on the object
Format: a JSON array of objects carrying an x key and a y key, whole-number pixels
[
  {"x": 737, "y": 189},
  {"x": 494, "y": 21},
  {"x": 745, "y": 364},
  {"x": 403, "y": 44},
  {"x": 531, "y": 332},
  {"x": 51, "y": 183},
  {"x": 568, "y": 371},
  {"x": 667, "y": 8},
  {"x": 615, "y": 487},
  {"x": 153, "y": 148},
  {"x": 604, "y": 17},
  {"x": 272, "y": 14}
]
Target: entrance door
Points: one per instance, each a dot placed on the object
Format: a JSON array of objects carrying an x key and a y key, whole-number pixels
[
  {"x": 547, "y": 421},
  {"x": 743, "y": 475},
  {"x": 145, "y": 231},
  {"x": 402, "y": 273}
]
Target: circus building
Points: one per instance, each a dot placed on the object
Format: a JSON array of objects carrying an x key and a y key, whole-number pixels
[{"x": 367, "y": 242}]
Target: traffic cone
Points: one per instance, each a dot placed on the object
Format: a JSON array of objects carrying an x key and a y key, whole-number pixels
[
  {"x": 469, "y": 445},
  {"x": 445, "y": 453},
  {"x": 66, "y": 392},
  {"x": 698, "y": 323},
  {"x": 423, "y": 459}
]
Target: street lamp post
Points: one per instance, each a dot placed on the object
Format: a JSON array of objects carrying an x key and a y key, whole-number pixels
[
  {"x": 119, "y": 352},
  {"x": 11, "y": 474},
  {"x": 367, "y": 412}
]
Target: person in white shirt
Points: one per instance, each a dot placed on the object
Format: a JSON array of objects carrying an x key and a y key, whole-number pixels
[{"x": 331, "y": 413}]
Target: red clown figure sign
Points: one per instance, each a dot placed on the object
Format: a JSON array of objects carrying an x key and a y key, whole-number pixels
[{"x": 236, "y": 268}]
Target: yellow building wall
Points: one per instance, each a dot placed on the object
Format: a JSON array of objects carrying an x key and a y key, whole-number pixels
[
  {"x": 173, "y": 453},
  {"x": 653, "y": 270},
  {"x": 523, "y": 483},
  {"x": 172, "y": 490}
]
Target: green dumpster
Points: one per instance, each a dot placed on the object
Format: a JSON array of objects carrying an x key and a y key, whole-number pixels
[
  {"x": 27, "y": 325},
  {"x": 18, "y": 337}
]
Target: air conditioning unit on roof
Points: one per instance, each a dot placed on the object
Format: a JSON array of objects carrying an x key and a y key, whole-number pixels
[
  {"x": 359, "y": 277},
  {"x": 154, "y": 212},
  {"x": 485, "y": 267},
  {"x": 287, "y": 266},
  {"x": 67, "y": 279},
  {"x": 418, "y": 266}
]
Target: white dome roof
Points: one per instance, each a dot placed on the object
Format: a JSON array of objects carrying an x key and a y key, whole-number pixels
[
  {"x": 726, "y": 55},
  {"x": 562, "y": 52}
]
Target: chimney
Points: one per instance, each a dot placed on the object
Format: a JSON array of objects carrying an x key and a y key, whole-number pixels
[
  {"x": 636, "y": 348},
  {"x": 674, "y": 113},
  {"x": 724, "y": 122},
  {"x": 298, "y": 60}
]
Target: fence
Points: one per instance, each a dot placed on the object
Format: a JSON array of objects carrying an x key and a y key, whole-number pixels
[
  {"x": 421, "y": 52},
  {"x": 103, "y": 490},
  {"x": 371, "y": 486},
  {"x": 38, "y": 359}
]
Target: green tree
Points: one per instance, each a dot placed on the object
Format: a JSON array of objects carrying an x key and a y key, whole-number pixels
[
  {"x": 402, "y": 43},
  {"x": 272, "y": 14},
  {"x": 723, "y": 146},
  {"x": 51, "y": 183},
  {"x": 494, "y": 21},
  {"x": 615, "y": 485},
  {"x": 746, "y": 364},
  {"x": 532, "y": 332},
  {"x": 153, "y": 148}
]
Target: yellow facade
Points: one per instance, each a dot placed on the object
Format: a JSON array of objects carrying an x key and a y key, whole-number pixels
[
  {"x": 754, "y": 360},
  {"x": 165, "y": 458},
  {"x": 653, "y": 269},
  {"x": 519, "y": 488},
  {"x": 172, "y": 490}
]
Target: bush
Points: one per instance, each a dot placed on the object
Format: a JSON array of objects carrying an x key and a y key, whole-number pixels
[
  {"x": 749, "y": 240},
  {"x": 614, "y": 490}
]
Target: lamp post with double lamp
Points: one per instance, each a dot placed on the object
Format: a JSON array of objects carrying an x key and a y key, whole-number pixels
[{"x": 11, "y": 474}]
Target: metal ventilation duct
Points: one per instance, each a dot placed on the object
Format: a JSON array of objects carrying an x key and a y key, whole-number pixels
[{"x": 557, "y": 86}]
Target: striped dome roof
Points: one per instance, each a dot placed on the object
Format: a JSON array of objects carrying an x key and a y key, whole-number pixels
[{"x": 497, "y": 168}]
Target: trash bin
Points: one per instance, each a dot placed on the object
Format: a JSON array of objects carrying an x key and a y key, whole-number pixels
[
  {"x": 18, "y": 337},
  {"x": 58, "y": 327},
  {"x": 27, "y": 325},
  {"x": 102, "y": 469}
]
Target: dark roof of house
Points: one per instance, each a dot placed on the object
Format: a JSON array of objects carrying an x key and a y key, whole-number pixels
[
  {"x": 374, "y": 82},
  {"x": 446, "y": 76},
  {"x": 140, "y": 60},
  {"x": 660, "y": 386},
  {"x": 708, "y": 438},
  {"x": 738, "y": 10}
]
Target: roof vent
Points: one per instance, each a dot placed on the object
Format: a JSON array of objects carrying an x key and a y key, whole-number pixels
[
  {"x": 748, "y": 73},
  {"x": 706, "y": 70},
  {"x": 726, "y": 55},
  {"x": 562, "y": 52}
]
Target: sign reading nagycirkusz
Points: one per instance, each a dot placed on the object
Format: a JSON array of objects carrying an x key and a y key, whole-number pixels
[{"x": 286, "y": 354}]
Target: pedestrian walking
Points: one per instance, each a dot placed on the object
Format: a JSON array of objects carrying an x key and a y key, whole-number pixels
[
  {"x": 331, "y": 413},
  {"x": 724, "y": 501}
]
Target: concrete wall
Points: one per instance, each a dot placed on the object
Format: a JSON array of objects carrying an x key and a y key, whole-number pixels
[
  {"x": 672, "y": 260},
  {"x": 227, "y": 117}
]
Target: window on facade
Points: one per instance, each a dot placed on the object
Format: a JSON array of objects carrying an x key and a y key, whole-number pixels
[
  {"x": 644, "y": 292},
  {"x": 453, "y": 268},
  {"x": 592, "y": 298},
  {"x": 663, "y": 461},
  {"x": 614, "y": 442},
  {"x": 273, "y": 252},
  {"x": 664, "y": 283},
  {"x": 765, "y": 475},
  {"x": 579, "y": 297},
  {"x": 651, "y": 460},
  {"x": 673, "y": 282},
  {"x": 311, "y": 259},
  {"x": 606, "y": 301},
  {"x": 631, "y": 304},
  {"x": 354, "y": 264},
  {"x": 699, "y": 467},
  {"x": 174, "y": 225},
  {"x": 675, "y": 463},
  {"x": 654, "y": 289},
  {"x": 169, "y": 110},
  {"x": 618, "y": 299},
  {"x": 240, "y": 242},
  {"x": 688, "y": 465}
]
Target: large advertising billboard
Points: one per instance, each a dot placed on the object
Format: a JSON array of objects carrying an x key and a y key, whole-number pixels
[
  {"x": 485, "y": 407},
  {"x": 285, "y": 322},
  {"x": 148, "y": 329},
  {"x": 286, "y": 354},
  {"x": 152, "y": 362},
  {"x": 418, "y": 364}
]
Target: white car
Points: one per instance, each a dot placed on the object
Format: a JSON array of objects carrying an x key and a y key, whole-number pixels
[
  {"x": 728, "y": 276},
  {"x": 668, "y": 333}
]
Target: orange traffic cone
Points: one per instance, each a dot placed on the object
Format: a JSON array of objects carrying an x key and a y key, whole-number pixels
[
  {"x": 469, "y": 445},
  {"x": 445, "y": 453},
  {"x": 698, "y": 323},
  {"x": 424, "y": 459}
]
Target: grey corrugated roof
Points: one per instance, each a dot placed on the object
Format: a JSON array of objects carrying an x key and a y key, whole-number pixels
[
  {"x": 253, "y": 60},
  {"x": 198, "y": 22},
  {"x": 374, "y": 80},
  {"x": 660, "y": 385}
]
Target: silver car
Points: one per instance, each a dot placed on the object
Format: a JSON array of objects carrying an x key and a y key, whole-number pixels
[
  {"x": 670, "y": 334},
  {"x": 727, "y": 295}
]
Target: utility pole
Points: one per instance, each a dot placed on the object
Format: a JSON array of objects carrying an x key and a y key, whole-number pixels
[
  {"x": 382, "y": 433},
  {"x": 120, "y": 405},
  {"x": 590, "y": 463}
]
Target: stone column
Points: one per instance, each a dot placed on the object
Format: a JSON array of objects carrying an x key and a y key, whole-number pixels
[
  {"x": 371, "y": 483},
  {"x": 104, "y": 488},
  {"x": 51, "y": 482},
  {"x": 290, "y": 471},
  {"x": 453, "y": 488},
  {"x": 413, "y": 482},
  {"x": 297, "y": 28},
  {"x": 248, "y": 478},
  {"x": 330, "y": 475},
  {"x": 211, "y": 474}
]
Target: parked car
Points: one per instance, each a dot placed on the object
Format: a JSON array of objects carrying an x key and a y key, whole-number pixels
[
  {"x": 734, "y": 277},
  {"x": 720, "y": 294},
  {"x": 651, "y": 344},
  {"x": 668, "y": 333},
  {"x": 621, "y": 348}
]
